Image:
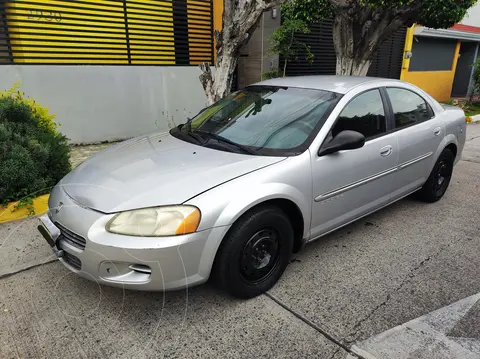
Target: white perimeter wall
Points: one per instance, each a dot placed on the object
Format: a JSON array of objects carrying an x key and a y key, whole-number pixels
[{"x": 106, "y": 103}]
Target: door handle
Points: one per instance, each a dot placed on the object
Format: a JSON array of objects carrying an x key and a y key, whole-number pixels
[
  {"x": 386, "y": 151},
  {"x": 437, "y": 131}
]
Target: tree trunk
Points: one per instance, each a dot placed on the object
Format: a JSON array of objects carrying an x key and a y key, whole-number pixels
[
  {"x": 358, "y": 32},
  {"x": 352, "y": 67},
  {"x": 239, "y": 20},
  {"x": 284, "y": 68},
  {"x": 218, "y": 84}
]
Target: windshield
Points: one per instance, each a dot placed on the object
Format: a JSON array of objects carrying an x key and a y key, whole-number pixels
[{"x": 263, "y": 120}]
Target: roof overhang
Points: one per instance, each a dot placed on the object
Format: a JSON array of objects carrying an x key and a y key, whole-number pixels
[{"x": 446, "y": 34}]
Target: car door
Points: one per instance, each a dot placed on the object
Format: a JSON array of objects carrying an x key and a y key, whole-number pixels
[
  {"x": 419, "y": 133},
  {"x": 352, "y": 183}
]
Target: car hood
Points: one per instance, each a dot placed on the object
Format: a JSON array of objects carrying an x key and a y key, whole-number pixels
[{"x": 154, "y": 170}]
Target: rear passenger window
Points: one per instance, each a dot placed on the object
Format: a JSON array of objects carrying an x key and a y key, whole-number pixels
[
  {"x": 408, "y": 107},
  {"x": 364, "y": 114}
]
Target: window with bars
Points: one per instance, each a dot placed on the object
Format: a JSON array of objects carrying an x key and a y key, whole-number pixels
[{"x": 109, "y": 32}]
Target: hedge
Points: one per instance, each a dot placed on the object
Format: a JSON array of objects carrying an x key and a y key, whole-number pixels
[{"x": 34, "y": 155}]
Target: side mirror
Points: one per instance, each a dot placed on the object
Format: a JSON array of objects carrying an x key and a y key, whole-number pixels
[{"x": 345, "y": 140}]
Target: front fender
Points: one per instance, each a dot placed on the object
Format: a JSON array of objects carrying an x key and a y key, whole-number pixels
[
  {"x": 290, "y": 180},
  {"x": 242, "y": 202},
  {"x": 221, "y": 206},
  {"x": 233, "y": 205}
]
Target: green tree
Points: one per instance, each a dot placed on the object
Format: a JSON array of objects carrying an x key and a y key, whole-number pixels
[
  {"x": 361, "y": 26},
  {"x": 476, "y": 78},
  {"x": 284, "y": 43}
]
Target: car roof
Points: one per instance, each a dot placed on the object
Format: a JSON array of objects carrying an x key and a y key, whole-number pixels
[{"x": 338, "y": 84}]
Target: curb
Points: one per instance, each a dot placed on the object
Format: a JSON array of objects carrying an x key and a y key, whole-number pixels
[
  {"x": 9, "y": 213},
  {"x": 475, "y": 119}
]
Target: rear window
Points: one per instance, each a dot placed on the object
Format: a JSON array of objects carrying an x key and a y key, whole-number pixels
[{"x": 408, "y": 107}]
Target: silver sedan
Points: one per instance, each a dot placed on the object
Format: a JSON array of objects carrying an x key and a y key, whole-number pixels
[{"x": 234, "y": 191}]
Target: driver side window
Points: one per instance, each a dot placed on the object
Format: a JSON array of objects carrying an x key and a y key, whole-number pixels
[{"x": 364, "y": 114}]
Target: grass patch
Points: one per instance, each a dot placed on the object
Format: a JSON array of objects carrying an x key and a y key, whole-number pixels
[{"x": 472, "y": 109}]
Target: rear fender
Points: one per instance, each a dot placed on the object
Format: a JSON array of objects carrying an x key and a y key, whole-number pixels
[{"x": 447, "y": 140}]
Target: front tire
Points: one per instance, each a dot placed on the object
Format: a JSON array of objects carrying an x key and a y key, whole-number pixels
[
  {"x": 255, "y": 252},
  {"x": 439, "y": 179}
]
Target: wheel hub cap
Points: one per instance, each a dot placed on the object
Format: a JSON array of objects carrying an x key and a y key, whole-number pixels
[
  {"x": 441, "y": 176},
  {"x": 260, "y": 254}
]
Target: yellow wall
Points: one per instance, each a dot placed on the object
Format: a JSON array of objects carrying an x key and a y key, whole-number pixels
[
  {"x": 217, "y": 20},
  {"x": 438, "y": 84}
]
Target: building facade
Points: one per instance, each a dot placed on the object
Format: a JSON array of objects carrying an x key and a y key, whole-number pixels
[
  {"x": 438, "y": 61},
  {"x": 441, "y": 61}
]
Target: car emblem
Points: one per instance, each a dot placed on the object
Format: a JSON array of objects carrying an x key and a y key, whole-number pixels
[{"x": 59, "y": 207}]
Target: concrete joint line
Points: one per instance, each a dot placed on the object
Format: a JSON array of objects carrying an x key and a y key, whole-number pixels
[
  {"x": 9, "y": 274},
  {"x": 317, "y": 328}
]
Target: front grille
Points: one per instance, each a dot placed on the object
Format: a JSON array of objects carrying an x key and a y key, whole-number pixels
[
  {"x": 70, "y": 237},
  {"x": 72, "y": 260}
]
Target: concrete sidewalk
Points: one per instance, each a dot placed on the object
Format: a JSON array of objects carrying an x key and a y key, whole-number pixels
[
  {"x": 471, "y": 152},
  {"x": 79, "y": 153},
  {"x": 476, "y": 119}
]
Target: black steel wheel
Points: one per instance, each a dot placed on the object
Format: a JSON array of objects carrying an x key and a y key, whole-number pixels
[
  {"x": 439, "y": 179},
  {"x": 255, "y": 252},
  {"x": 260, "y": 255},
  {"x": 442, "y": 177}
]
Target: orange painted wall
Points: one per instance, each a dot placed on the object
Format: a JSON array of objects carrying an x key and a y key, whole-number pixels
[
  {"x": 217, "y": 19},
  {"x": 438, "y": 84}
]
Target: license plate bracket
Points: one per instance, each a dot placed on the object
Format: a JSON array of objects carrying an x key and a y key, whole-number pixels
[{"x": 50, "y": 233}]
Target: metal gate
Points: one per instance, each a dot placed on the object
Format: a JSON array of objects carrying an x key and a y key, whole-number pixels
[
  {"x": 109, "y": 32},
  {"x": 387, "y": 62}
]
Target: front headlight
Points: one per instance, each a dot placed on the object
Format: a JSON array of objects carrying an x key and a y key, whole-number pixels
[{"x": 156, "y": 222}]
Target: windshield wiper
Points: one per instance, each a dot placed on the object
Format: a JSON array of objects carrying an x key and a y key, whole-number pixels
[
  {"x": 188, "y": 131},
  {"x": 227, "y": 141}
]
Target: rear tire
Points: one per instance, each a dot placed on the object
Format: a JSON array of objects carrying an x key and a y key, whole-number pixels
[
  {"x": 439, "y": 179},
  {"x": 255, "y": 252}
]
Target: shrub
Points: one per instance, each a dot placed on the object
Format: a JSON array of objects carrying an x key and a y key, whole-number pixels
[
  {"x": 272, "y": 74},
  {"x": 476, "y": 75},
  {"x": 34, "y": 155}
]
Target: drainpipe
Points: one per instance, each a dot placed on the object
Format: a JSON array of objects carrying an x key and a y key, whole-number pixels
[{"x": 471, "y": 83}]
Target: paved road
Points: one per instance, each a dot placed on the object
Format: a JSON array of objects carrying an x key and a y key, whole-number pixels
[{"x": 402, "y": 283}]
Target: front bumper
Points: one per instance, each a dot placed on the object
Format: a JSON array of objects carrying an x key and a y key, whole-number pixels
[{"x": 140, "y": 263}]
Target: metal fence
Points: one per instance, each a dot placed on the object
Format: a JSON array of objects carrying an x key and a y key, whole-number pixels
[
  {"x": 386, "y": 63},
  {"x": 106, "y": 32}
]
